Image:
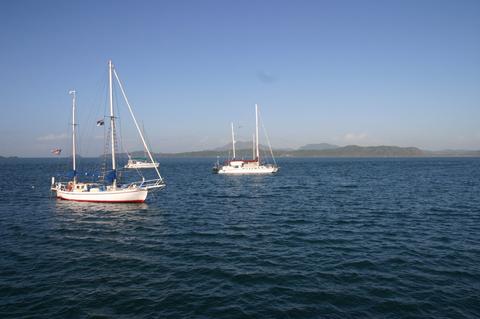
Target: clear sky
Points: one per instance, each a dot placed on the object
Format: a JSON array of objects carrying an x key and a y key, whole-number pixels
[{"x": 389, "y": 72}]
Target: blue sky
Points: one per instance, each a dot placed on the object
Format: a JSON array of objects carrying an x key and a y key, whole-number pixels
[{"x": 401, "y": 73}]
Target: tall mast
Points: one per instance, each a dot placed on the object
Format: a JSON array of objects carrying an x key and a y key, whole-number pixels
[
  {"x": 256, "y": 133},
  {"x": 233, "y": 142},
  {"x": 112, "y": 120},
  {"x": 74, "y": 144}
]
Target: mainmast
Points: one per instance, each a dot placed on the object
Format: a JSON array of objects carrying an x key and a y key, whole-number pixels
[
  {"x": 256, "y": 134},
  {"x": 233, "y": 142},
  {"x": 74, "y": 144},
  {"x": 112, "y": 121}
]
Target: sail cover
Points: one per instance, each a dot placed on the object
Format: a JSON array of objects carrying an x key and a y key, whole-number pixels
[
  {"x": 110, "y": 176},
  {"x": 71, "y": 174}
]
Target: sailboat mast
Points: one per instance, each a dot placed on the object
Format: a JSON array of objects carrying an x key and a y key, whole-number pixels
[
  {"x": 233, "y": 142},
  {"x": 74, "y": 144},
  {"x": 112, "y": 119},
  {"x": 256, "y": 133}
]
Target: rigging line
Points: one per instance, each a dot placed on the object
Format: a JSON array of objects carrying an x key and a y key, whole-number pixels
[
  {"x": 120, "y": 131},
  {"x": 84, "y": 145},
  {"x": 68, "y": 129},
  {"x": 135, "y": 121},
  {"x": 106, "y": 132},
  {"x": 146, "y": 138},
  {"x": 119, "y": 122},
  {"x": 147, "y": 142},
  {"x": 92, "y": 112},
  {"x": 137, "y": 170},
  {"x": 101, "y": 92},
  {"x": 117, "y": 133},
  {"x": 62, "y": 166},
  {"x": 97, "y": 103},
  {"x": 268, "y": 140}
]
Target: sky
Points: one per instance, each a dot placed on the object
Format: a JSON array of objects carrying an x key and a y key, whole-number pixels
[{"x": 393, "y": 72}]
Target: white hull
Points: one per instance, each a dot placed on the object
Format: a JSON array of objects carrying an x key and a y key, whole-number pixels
[
  {"x": 246, "y": 170},
  {"x": 111, "y": 196},
  {"x": 142, "y": 165}
]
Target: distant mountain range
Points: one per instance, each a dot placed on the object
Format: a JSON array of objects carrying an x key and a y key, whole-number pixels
[
  {"x": 318, "y": 147},
  {"x": 239, "y": 145},
  {"x": 244, "y": 150},
  {"x": 242, "y": 146},
  {"x": 359, "y": 151}
]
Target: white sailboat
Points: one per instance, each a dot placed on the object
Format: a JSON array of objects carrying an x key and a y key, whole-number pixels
[
  {"x": 140, "y": 163},
  {"x": 236, "y": 166},
  {"x": 113, "y": 192}
]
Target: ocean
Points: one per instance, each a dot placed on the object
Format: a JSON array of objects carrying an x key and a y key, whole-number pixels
[{"x": 323, "y": 238}]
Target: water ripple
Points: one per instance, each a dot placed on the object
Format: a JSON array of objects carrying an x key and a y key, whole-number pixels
[{"x": 325, "y": 238}]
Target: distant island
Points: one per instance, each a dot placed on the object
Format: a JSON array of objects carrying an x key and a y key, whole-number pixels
[{"x": 244, "y": 150}]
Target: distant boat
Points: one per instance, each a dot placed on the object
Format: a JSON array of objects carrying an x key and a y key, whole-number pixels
[
  {"x": 236, "y": 166},
  {"x": 56, "y": 151},
  {"x": 110, "y": 191},
  {"x": 140, "y": 163}
]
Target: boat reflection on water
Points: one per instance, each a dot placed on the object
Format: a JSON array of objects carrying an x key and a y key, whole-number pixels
[
  {"x": 103, "y": 222},
  {"x": 95, "y": 208}
]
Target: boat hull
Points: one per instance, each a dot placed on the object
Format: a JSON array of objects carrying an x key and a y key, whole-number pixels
[
  {"x": 229, "y": 170},
  {"x": 142, "y": 165},
  {"x": 117, "y": 196}
]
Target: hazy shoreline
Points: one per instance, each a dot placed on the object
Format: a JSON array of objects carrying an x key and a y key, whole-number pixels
[{"x": 350, "y": 151}]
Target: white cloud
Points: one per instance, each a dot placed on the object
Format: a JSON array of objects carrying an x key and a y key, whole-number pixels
[
  {"x": 355, "y": 137},
  {"x": 52, "y": 137}
]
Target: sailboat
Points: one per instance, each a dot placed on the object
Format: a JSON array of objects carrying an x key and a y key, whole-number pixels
[
  {"x": 236, "y": 166},
  {"x": 111, "y": 191},
  {"x": 139, "y": 163}
]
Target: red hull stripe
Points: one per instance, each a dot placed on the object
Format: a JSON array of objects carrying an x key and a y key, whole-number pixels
[{"x": 103, "y": 201}]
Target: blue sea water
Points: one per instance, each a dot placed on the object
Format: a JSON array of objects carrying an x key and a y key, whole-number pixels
[{"x": 324, "y": 238}]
